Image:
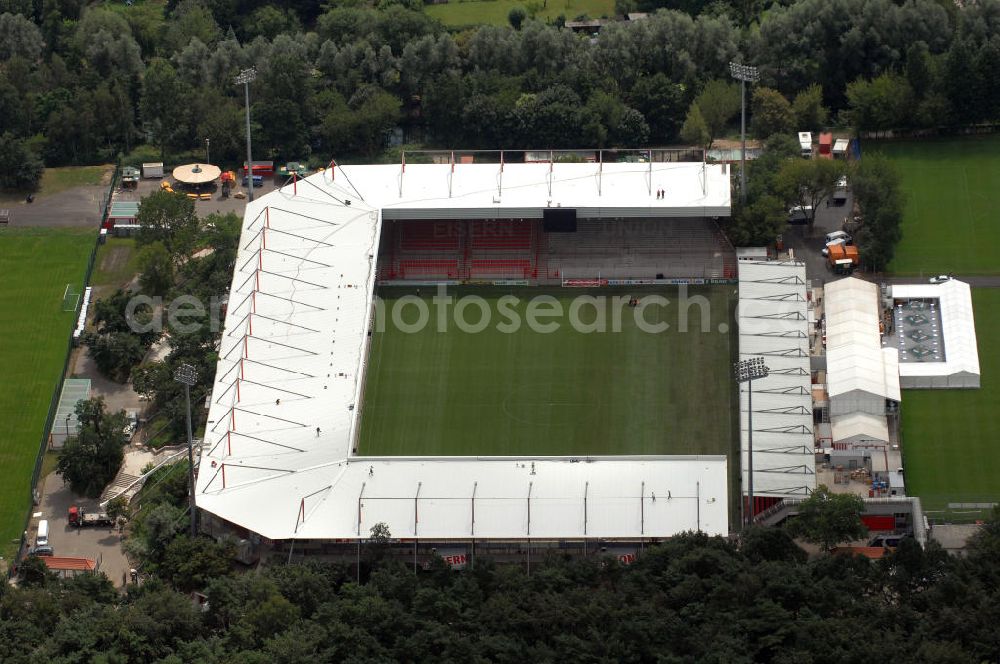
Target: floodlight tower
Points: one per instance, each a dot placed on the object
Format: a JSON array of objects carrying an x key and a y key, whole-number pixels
[
  {"x": 747, "y": 371},
  {"x": 188, "y": 376},
  {"x": 744, "y": 74},
  {"x": 245, "y": 78}
]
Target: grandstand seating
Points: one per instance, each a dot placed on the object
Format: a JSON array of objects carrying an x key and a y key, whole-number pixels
[
  {"x": 519, "y": 249},
  {"x": 501, "y": 235},
  {"x": 516, "y": 268},
  {"x": 421, "y": 236},
  {"x": 428, "y": 268}
]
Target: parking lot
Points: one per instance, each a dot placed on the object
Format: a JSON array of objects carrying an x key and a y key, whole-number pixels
[
  {"x": 808, "y": 245},
  {"x": 100, "y": 544}
]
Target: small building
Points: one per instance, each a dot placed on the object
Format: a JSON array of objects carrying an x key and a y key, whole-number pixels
[
  {"x": 826, "y": 145},
  {"x": 261, "y": 168},
  {"x": 152, "y": 170},
  {"x": 130, "y": 177},
  {"x": 122, "y": 212},
  {"x": 934, "y": 334},
  {"x": 805, "y": 143},
  {"x": 862, "y": 377},
  {"x": 840, "y": 147},
  {"x": 66, "y": 567},
  {"x": 589, "y": 26}
]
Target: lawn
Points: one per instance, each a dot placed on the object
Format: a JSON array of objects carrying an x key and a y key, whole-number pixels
[
  {"x": 36, "y": 265},
  {"x": 949, "y": 223},
  {"x": 561, "y": 393},
  {"x": 116, "y": 263},
  {"x": 494, "y": 12},
  {"x": 949, "y": 446},
  {"x": 55, "y": 180}
]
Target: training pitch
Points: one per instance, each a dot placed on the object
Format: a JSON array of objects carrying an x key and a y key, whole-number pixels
[
  {"x": 36, "y": 265},
  {"x": 949, "y": 442},
  {"x": 564, "y": 392},
  {"x": 949, "y": 223}
]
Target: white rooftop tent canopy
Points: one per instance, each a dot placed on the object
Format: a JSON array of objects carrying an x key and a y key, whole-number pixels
[
  {"x": 774, "y": 324},
  {"x": 960, "y": 368},
  {"x": 861, "y": 375},
  {"x": 279, "y": 452}
]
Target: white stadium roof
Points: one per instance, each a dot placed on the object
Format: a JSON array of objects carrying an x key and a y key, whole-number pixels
[
  {"x": 490, "y": 191},
  {"x": 958, "y": 326},
  {"x": 278, "y": 454},
  {"x": 774, "y": 324}
]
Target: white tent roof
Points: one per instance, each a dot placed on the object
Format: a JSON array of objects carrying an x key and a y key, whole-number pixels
[
  {"x": 860, "y": 426},
  {"x": 278, "y": 454},
  {"x": 958, "y": 326},
  {"x": 773, "y": 321},
  {"x": 855, "y": 360}
]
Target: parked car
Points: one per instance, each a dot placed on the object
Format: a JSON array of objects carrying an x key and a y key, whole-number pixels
[
  {"x": 838, "y": 235},
  {"x": 41, "y": 551},
  {"x": 940, "y": 279}
]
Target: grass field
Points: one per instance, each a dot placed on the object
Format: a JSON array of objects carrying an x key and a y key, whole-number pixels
[
  {"x": 55, "y": 180},
  {"x": 36, "y": 265},
  {"x": 560, "y": 393},
  {"x": 494, "y": 12},
  {"x": 950, "y": 220},
  {"x": 949, "y": 445}
]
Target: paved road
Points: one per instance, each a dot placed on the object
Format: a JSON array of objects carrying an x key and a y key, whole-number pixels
[
  {"x": 77, "y": 207},
  {"x": 100, "y": 544}
]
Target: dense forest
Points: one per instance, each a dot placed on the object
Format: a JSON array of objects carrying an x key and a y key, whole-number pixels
[
  {"x": 84, "y": 82},
  {"x": 691, "y": 599}
]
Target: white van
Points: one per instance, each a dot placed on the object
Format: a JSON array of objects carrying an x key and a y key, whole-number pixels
[
  {"x": 836, "y": 236},
  {"x": 42, "y": 538}
]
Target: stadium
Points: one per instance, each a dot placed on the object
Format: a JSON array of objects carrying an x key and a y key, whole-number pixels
[{"x": 478, "y": 355}]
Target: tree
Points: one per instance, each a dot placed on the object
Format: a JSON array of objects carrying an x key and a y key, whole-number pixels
[
  {"x": 156, "y": 269},
  {"x": 772, "y": 114},
  {"x": 516, "y": 16},
  {"x": 826, "y": 518},
  {"x": 661, "y": 102},
  {"x": 20, "y": 168},
  {"x": 191, "y": 563},
  {"x": 808, "y": 109},
  {"x": 162, "y": 105},
  {"x": 758, "y": 222},
  {"x": 719, "y": 102},
  {"x": 168, "y": 218},
  {"x": 885, "y": 102},
  {"x": 91, "y": 459},
  {"x": 34, "y": 572},
  {"x": 876, "y": 186},
  {"x": 808, "y": 182},
  {"x": 122, "y": 333},
  {"x": 694, "y": 130},
  {"x": 19, "y": 36},
  {"x": 118, "y": 509}
]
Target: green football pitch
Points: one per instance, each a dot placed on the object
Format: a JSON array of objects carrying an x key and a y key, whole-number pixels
[
  {"x": 950, "y": 222},
  {"x": 36, "y": 265},
  {"x": 502, "y": 391},
  {"x": 949, "y": 443}
]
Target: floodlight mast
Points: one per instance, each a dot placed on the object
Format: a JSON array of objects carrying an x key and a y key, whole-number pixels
[
  {"x": 747, "y": 371},
  {"x": 743, "y": 73},
  {"x": 245, "y": 78},
  {"x": 188, "y": 376}
]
